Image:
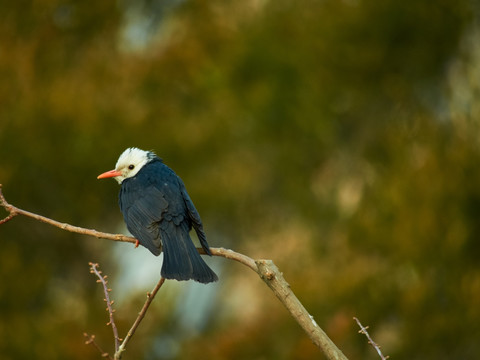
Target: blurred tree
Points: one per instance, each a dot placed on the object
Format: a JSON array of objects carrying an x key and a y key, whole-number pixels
[{"x": 339, "y": 138}]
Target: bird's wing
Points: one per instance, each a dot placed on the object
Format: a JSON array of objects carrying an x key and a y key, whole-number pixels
[
  {"x": 143, "y": 208},
  {"x": 152, "y": 198},
  {"x": 194, "y": 217}
]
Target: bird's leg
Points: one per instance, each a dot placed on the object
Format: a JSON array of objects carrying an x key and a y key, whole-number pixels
[{"x": 136, "y": 243}]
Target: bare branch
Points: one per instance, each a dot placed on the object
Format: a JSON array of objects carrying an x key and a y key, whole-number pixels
[
  {"x": 363, "y": 330},
  {"x": 272, "y": 276},
  {"x": 141, "y": 315},
  {"x": 266, "y": 269},
  {"x": 90, "y": 339},
  {"x": 232, "y": 255},
  {"x": 106, "y": 290},
  {"x": 64, "y": 226}
]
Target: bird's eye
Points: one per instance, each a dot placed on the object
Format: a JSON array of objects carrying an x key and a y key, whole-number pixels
[{"x": 131, "y": 167}]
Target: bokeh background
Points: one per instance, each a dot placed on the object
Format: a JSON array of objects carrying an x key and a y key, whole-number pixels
[{"x": 338, "y": 138}]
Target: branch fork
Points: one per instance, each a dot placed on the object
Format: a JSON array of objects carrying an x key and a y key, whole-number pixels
[{"x": 120, "y": 344}]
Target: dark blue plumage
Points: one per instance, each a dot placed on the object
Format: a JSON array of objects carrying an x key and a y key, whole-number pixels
[{"x": 160, "y": 214}]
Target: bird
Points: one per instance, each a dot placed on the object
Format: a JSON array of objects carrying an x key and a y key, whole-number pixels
[{"x": 160, "y": 214}]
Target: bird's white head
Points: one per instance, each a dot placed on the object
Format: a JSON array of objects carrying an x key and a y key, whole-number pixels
[{"x": 128, "y": 164}]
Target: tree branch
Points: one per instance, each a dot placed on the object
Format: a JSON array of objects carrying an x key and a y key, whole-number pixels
[
  {"x": 266, "y": 269},
  {"x": 272, "y": 276}
]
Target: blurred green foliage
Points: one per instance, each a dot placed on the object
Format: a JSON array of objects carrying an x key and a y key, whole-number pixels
[{"x": 338, "y": 138}]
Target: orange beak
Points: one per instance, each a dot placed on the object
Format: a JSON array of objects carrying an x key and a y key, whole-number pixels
[{"x": 109, "y": 174}]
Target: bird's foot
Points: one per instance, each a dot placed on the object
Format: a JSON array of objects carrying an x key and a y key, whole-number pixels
[{"x": 137, "y": 243}]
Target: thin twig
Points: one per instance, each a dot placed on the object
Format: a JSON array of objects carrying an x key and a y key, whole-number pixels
[
  {"x": 106, "y": 290},
  {"x": 64, "y": 226},
  {"x": 363, "y": 330},
  {"x": 90, "y": 339},
  {"x": 141, "y": 315}
]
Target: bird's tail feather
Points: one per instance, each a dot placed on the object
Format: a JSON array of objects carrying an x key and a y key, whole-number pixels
[{"x": 181, "y": 260}]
